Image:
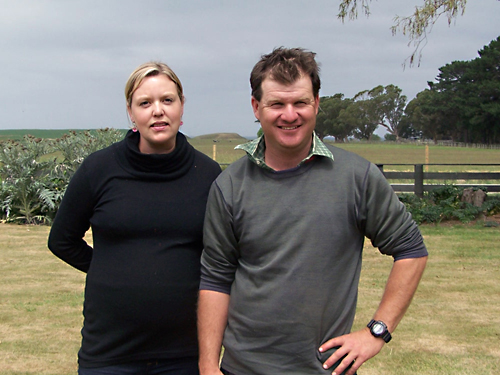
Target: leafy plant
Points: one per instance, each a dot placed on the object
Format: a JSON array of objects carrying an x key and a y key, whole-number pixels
[
  {"x": 34, "y": 182},
  {"x": 446, "y": 203},
  {"x": 23, "y": 179},
  {"x": 76, "y": 146}
]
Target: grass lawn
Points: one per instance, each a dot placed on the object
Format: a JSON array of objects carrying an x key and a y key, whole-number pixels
[
  {"x": 404, "y": 153},
  {"x": 452, "y": 327},
  {"x": 453, "y": 324}
]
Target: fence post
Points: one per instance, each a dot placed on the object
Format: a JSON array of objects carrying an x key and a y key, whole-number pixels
[
  {"x": 419, "y": 180},
  {"x": 381, "y": 167}
]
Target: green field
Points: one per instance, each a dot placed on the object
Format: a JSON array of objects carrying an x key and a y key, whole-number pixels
[
  {"x": 377, "y": 152},
  {"x": 452, "y": 326},
  {"x": 393, "y": 153}
]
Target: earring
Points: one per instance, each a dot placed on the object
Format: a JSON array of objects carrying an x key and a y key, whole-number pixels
[{"x": 182, "y": 122}]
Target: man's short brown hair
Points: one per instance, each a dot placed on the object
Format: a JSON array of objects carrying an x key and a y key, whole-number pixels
[{"x": 285, "y": 65}]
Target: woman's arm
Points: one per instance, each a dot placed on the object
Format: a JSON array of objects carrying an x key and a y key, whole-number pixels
[{"x": 72, "y": 222}]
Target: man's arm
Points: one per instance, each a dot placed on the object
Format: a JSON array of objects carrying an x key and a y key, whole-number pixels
[
  {"x": 361, "y": 345},
  {"x": 212, "y": 321}
]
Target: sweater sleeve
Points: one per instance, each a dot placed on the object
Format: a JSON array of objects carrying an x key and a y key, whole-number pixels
[
  {"x": 72, "y": 221},
  {"x": 385, "y": 220},
  {"x": 219, "y": 259}
]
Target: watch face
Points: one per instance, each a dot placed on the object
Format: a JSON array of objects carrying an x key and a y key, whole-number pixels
[{"x": 378, "y": 329}]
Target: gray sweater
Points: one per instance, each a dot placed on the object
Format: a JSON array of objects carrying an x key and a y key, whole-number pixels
[{"x": 288, "y": 246}]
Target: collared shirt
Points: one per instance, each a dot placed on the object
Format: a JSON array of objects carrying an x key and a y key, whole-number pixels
[{"x": 256, "y": 151}]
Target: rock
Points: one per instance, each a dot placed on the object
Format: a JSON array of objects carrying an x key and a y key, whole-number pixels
[
  {"x": 478, "y": 198},
  {"x": 467, "y": 195}
]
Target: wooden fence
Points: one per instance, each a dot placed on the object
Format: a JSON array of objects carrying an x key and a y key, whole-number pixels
[
  {"x": 467, "y": 145},
  {"x": 418, "y": 176}
]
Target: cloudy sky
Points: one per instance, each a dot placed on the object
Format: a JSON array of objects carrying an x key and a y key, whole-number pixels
[{"x": 64, "y": 63}]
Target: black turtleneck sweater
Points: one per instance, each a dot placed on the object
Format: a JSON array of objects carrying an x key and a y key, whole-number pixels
[{"x": 146, "y": 213}]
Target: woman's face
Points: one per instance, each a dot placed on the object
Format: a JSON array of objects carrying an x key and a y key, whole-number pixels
[{"x": 156, "y": 110}]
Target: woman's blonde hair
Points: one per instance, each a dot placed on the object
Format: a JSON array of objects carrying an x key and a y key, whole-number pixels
[{"x": 150, "y": 69}]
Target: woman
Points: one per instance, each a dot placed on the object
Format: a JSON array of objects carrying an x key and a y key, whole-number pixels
[{"x": 144, "y": 198}]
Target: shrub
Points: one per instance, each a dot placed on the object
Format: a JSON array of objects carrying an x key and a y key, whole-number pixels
[
  {"x": 445, "y": 203},
  {"x": 33, "y": 182},
  {"x": 24, "y": 190}
]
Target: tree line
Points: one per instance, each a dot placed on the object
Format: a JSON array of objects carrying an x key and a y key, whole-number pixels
[{"x": 462, "y": 105}]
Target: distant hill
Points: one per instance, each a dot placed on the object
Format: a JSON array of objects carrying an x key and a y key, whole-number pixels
[{"x": 222, "y": 137}]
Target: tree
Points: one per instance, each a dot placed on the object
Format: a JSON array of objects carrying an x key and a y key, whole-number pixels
[
  {"x": 392, "y": 104},
  {"x": 424, "y": 116},
  {"x": 416, "y": 26},
  {"x": 483, "y": 77},
  {"x": 360, "y": 116},
  {"x": 364, "y": 114},
  {"x": 452, "y": 99},
  {"x": 406, "y": 128},
  {"x": 468, "y": 96},
  {"x": 329, "y": 121}
]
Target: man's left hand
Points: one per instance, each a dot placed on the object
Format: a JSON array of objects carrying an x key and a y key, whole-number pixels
[{"x": 356, "y": 348}]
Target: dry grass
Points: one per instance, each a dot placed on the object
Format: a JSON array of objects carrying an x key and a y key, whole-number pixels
[
  {"x": 221, "y": 144},
  {"x": 453, "y": 324},
  {"x": 40, "y": 305},
  {"x": 452, "y": 327}
]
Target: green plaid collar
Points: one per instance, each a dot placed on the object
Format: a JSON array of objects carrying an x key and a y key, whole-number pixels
[{"x": 256, "y": 150}]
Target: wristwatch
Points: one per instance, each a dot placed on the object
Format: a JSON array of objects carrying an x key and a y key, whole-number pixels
[{"x": 379, "y": 329}]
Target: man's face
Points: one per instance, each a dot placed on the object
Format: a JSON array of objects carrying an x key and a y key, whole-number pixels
[{"x": 287, "y": 114}]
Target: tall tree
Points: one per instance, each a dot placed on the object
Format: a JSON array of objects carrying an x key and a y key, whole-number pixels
[
  {"x": 392, "y": 104},
  {"x": 380, "y": 106},
  {"x": 452, "y": 100},
  {"x": 365, "y": 113},
  {"x": 484, "y": 75},
  {"x": 329, "y": 122},
  {"x": 468, "y": 94},
  {"x": 423, "y": 116}
]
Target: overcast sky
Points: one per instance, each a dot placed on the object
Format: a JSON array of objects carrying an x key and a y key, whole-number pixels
[{"x": 64, "y": 63}]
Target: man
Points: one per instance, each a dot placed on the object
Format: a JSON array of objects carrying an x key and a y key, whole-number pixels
[{"x": 284, "y": 233}]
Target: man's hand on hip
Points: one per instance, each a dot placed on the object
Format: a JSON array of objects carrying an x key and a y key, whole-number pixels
[{"x": 357, "y": 347}]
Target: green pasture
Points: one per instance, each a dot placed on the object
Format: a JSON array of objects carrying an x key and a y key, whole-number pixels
[
  {"x": 221, "y": 145},
  {"x": 411, "y": 153},
  {"x": 452, "y": 326},
  {"x": 378, "y": 153}
]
